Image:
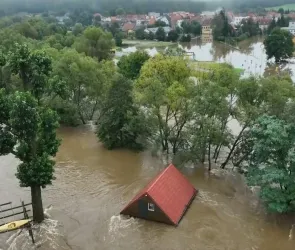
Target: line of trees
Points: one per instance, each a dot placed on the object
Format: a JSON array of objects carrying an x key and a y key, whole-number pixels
[
  {"x": 224, "y": 31},
  {"x": 187, "y": 111}
]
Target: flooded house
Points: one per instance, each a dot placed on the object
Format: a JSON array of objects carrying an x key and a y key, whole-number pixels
[{"x": 165, "y": 199}]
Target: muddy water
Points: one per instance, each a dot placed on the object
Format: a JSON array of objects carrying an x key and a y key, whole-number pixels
[{"x": 93, "y": 184}]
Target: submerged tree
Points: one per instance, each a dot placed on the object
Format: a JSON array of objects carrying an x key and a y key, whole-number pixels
[
  {"x": 165, "y": 90},
  {"x": 27, "y": 127},
  {"x": 95, "y": 42},
  {"x": 279, "y": 44},
  {"x": 272, "y": 163},
  {"x": 121, "y": 125},
  {"x": 130, "y": 65}
]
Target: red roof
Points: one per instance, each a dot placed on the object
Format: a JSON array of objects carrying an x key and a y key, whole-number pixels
[
  {"x": 170, "y": 191},
  {"x": 128, "y": 26}
]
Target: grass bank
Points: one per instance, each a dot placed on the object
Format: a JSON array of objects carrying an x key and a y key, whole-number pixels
[
  {"x": 146, "y": 43},
  {"x": 207, "y": 66},
  {"x": 290, "y": 6}
]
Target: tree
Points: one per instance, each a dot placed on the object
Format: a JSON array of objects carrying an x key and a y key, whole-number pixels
[
  {"x": 150, "y": 36},
  {"x": 221, "y": 26},
  {"x": 172, "y": 36},
  {"x": 282, "y": 21},
  {"x": 271, "y": 164},
  {"x": 130, "y": 66},
  {"x": 95, "y": 43},
  {"x": 256, "y": 97},
  {"x": 140, "y": 34},
  {"x": 165, "y": 90},
  {"x": 279, "y": 44},
  {"x": 160, "y": 34},
  {"x": 120, "y": 12},
  {"x": 118, "y": 40},
  {"x": 271, "y": 26},
  {"x": 86, "y": 80},
  {"x": 97, "y": 20},
  {"x": 121, "y": 125},
  {"x": 28, "y": 127},
  {"x": 78, "y": 29},
  {"x": 160, "y": 23},
  {"x": 196, "y": 28},
  {"x": 186, "y": 27},
  {"x": 281, "y": 10},
  {"x": 186, "y": 38},
  {"x": 249, "y": 27}
]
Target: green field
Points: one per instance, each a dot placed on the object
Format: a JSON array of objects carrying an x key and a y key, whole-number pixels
[
  {"x": 146, "y": 43},
  {"x": 290, "y": 6},
  {"x": 212, "y": 65}
]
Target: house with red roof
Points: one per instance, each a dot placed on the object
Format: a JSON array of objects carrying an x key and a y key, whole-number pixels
[
  {"x": 128, "y": 27},
  {"x": 165, "y": 199}
]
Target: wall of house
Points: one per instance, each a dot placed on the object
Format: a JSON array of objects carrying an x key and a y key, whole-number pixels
[{"x": 157, "y": 215}]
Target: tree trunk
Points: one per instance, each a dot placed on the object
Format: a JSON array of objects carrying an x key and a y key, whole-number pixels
[
  {"x": 37, "y": 205},
  {"x": 81, "y": 117},
  {"x": 209, "y": 156},
  {"x": 233, "y": 148},
  {"x": 93, "y": 110},
  {"x": 218, "y": 152}
]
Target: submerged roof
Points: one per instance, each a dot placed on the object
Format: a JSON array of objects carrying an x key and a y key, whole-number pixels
[{"x": 171, "y": 192}]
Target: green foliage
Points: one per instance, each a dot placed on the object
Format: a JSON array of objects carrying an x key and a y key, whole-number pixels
[
  {"x": 121, "y": 125},
  {"x": 78, "y": 29},
  {"x": 279, "y": 44},
  {"x": 130, "y": 66},
  {"x": 186, "y": 38},
  {"x": 140, "y": 34},
  {"x": 160, "y": 34},
  {"x": 191, "y": 28},
  {"x": 165, "y": 90},
  {"x": 95, "y": 43},
  {"x": 28, "y": 128},
  {"x": 86, "y": 81},
  {"x": 160, "y": 23},
  {"x": 221, "y": 27},
  {"x": 118, "y": 40},
  {"x": 271, "y": 26},
  {"x": 249, "y": 27},
  {"x": 172, "y": 36},
  {"x": 271, "y": 164}
]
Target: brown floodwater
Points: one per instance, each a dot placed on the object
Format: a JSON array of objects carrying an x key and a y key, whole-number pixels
[{"x": 94, "y": 184}]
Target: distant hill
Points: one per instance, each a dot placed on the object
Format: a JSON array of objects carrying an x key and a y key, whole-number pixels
[{"x": 285, "y": 7}]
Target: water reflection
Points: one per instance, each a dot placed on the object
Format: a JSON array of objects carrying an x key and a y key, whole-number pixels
[{"x": 248, "y": 55}]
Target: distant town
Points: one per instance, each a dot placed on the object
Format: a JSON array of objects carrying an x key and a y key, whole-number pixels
[{"x": 131, "y": 23}]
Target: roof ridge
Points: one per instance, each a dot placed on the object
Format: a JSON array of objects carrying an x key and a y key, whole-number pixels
[{"x": 158, "y": 177}]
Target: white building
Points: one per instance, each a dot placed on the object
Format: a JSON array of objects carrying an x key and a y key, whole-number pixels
[
  {"x": 208, "y": 14},
  {"x": 154, "y": 30},
  {"x": 154, "y": 14},
  {"x": 291, "y": 28},
  {"x": 238, "y": 19},
  {"x": 163, "y": 19}
]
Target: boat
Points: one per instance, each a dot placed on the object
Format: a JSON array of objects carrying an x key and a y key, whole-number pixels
[{"x": 13, "y": 225}]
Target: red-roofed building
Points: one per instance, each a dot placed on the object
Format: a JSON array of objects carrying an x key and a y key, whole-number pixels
[
  {"x": 127, "y": 27},
  {"x": 152, "y": 21},
  {"x": 165, "y": 199}
]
